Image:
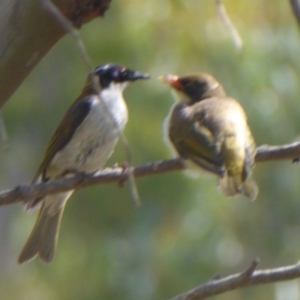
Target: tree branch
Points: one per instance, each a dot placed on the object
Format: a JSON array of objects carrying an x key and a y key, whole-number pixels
[
  {"x": 249, "y": 277},
  {"x": 283, "y": 152},
  {"x": 28, "y": 30},
  {"x": 24, "y": 193}
]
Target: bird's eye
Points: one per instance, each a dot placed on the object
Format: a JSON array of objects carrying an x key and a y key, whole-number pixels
[
  {"x": 123, "y": 72},
  {"x": 119, "y": 74}
]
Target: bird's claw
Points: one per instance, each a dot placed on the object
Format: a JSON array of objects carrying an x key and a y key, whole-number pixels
[
  {"x": 73, "y": 173},
  {"x": 79, "y": 175},
  {"x": 125, "y": 166}
]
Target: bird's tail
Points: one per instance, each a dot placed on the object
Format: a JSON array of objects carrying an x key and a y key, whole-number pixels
[
  {"x": 232, "y": 186},
  {"x": 43, "y": 238}
]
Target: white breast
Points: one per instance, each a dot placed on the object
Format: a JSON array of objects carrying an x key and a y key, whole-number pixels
[{"x": 94, "y": 140}]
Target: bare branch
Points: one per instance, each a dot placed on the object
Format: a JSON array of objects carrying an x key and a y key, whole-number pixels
[
  {"x": 296, "y": 9},
  {"x": 237, "y": 40},
  {"x": 249, "y": 277},
  {"x": 250, "y": 270},
  {"x": 269, "y": 153},
  {"x": 116, "y": 175},
  {"x": 69, "y": 28},
  {"x": 24, "y": 193}
]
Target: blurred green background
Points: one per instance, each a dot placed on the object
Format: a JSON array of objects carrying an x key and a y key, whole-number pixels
[{"x": 185, "y": 232}]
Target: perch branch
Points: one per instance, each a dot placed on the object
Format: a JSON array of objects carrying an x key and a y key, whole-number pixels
[
  {"x": 24, "y": 193},
  {"x": 116, "y": 175},
  {"x": 282, "y": 152},
  {"x": 249, "y": 277}
]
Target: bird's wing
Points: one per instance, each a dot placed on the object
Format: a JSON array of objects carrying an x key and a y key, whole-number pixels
[
  {"x": 73, "y": 118},
  {"x": 195, "y": 141},
  {"x": 250, "y": 149}
]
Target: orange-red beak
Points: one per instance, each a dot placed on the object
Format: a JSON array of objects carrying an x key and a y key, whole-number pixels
[{"x": 172, "y": 80}]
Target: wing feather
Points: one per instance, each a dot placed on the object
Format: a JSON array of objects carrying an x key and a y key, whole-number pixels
[
  {"x": 64, "y": 132},
  {"x": 195, "y": 141}
]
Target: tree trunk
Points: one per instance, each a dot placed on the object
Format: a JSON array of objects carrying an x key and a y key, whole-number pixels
[{"x": 28, "y": 30}]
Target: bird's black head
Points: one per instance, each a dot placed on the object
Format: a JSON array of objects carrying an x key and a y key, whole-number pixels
[{"x": 109, "y": 73}]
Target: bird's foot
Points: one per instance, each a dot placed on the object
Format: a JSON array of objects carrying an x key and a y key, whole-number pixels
[
  {"x": 115, "y": 166},
  {"x": 79, "y": 175},
  {"x": 73, "y": 173},
  {"x": 124, "y": 176}
]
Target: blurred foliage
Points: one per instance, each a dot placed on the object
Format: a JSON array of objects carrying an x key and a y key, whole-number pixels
[{"x": 185, "y": 232}]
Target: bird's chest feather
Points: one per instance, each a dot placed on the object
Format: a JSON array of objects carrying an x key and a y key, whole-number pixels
[{"x": 95, "y": 138}]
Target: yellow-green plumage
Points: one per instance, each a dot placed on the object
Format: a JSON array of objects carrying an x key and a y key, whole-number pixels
[{"x": 210, "y": 129}]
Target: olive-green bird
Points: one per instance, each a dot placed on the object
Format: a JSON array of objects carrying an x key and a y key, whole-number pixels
[{"x": 210, "y": 129}]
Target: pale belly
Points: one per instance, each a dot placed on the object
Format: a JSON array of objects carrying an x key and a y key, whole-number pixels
[
  {"x": 91, "y": 145},
  {"x": 87, "y": 156}
]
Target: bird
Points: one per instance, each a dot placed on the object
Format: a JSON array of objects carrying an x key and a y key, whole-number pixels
[
  {"x": 82, "y": 143},
  {"x": 208, "y": 129}
]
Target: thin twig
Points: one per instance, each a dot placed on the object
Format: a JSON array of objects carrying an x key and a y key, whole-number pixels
[
  {"x": 237, "y": 40},
  {"x": 133, "y": 186},
  {"x": 116, "y": 175},
  {"x": 249, "y": 277},
  {"x": 250, "y": 270},
  {"x": 68, "y": 26}
]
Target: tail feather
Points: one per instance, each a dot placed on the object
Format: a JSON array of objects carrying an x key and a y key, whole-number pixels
[
  {"x": 43, "y": 238},
  {"x": 250, "y": 188},
  {"x": 232, "y": 186},
  {"x": 227, "y": 186},
  {"x": 31, "y": 248}
]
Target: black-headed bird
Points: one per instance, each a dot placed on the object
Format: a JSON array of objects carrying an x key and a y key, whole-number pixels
[
  {"x": 209, "y": 129},
  {"x": 83, "y": 142}
]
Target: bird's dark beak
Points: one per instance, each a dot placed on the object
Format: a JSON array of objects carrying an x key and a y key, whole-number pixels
[
  {"x": 172, "y": 80},
  {"x": 134, "y": 75}
]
